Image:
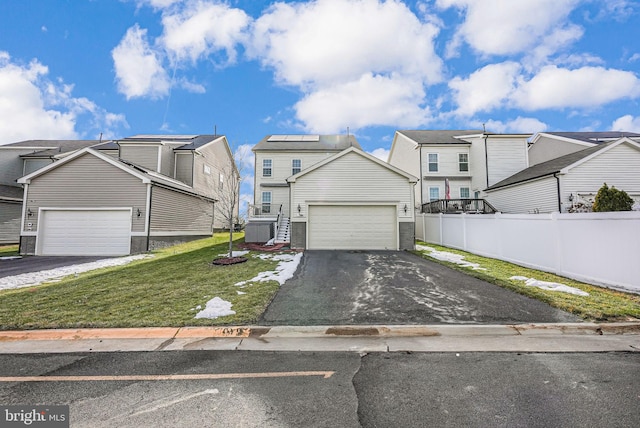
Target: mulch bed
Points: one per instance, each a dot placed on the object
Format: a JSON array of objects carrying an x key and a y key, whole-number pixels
[
  {"x": 262, "y": 247},
  {"x": 225, "y": 261}
]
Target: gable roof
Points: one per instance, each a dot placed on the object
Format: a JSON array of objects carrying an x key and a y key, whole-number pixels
[
  {"x": 588, "y": 137},
  {"x": 326, "y": 143},
  {"x": 345, "y": 152},
  {"x": 439, "y": 136},
  {"x": 561, "y": 164},
  {"x": 144, "y": 174}
]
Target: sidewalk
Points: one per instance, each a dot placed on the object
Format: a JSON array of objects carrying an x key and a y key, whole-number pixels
[{"x": 570, "y": 337}]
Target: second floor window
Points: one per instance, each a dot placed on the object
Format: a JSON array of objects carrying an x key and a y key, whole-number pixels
[
  {"x": 433, "y": 162},
  {"x": 296, "y": 166},
  {"x": 266, "y": 167},
  {"x": 463, "y": 162}
]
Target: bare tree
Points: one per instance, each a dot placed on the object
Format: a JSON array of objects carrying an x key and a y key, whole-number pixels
[{"x": 228, "y": 204}]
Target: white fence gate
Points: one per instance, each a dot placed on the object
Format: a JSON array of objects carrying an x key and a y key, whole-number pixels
[{"x": 598, "y": 248}]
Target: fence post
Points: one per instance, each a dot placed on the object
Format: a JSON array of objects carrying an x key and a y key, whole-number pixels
[{"x": 440, "y": 220}]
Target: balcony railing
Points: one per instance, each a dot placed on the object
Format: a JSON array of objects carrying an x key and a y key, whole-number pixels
[
  {"x": 264, "y": 210},
  {"x": 458, "y": 206}
]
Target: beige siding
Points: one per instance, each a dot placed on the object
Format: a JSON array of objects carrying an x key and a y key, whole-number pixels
[
  {"x": 87, "y": 182},
  {"x": 505, "y": 156},
  {"x": 145, "y": 155},
  {"x": 352, "y": 178},
  {"x": 184, "y": 167},
  {"x": 478, "y": 166},
  {"x": 534, "y": 196},
  {"x": 404, "y": 155},
  {"x": 549, "y": 148},
  {"x": 619, "y": 167},
  {"x": 180, "y": 213},
  {"x": 166, "y": 160},
  {"x": 10, "y": 222}
]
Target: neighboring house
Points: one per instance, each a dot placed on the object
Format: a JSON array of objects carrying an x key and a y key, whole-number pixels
[
  {"x": 559, "y": 184},
  {"x": 155, "y": 191},
  {"x": 545, "y": 146},
  {"x": 464, "y": 162},
  {"x": 17, "y": 160},
  {"x": 324, "y": 192}
]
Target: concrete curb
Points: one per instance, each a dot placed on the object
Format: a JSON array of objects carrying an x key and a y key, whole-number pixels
[{"x": 371, "y": 331}]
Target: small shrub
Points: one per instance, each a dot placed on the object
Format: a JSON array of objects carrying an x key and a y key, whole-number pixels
[{"x": 612, "y": 199}]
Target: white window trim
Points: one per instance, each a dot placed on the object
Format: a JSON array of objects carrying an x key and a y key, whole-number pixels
[
  {"x": 299, "y": 168},
  {"x": 460, "y": 163},
  {"x": 270, "y": 167},
  {"x": 437, "y": 163},
  {"x": 436, "y": 188},
  {"x": 468, "y": 193}
]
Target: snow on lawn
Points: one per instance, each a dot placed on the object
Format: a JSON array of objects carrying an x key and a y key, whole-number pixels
[
  {"x": 36, "y": 278},
  {"x": 449, "y": 257},
  {"x": 284, "y": 271},
  {"x": 552, "y": 286},
  {"x": 215, "y": 308}
]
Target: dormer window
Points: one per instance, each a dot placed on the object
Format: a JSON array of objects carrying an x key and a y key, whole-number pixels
[{"x": 266, "y": 167}]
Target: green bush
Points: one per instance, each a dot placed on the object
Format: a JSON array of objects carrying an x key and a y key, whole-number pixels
[{"x": 612, "y": 199}]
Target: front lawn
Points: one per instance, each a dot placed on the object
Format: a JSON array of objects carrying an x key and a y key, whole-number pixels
[
  {"x": 602, "y": 304},
  {"x": 161, "y": 291},
  {"x": 8, "y": 250}
]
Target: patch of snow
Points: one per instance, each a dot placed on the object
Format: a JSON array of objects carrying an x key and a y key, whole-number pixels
[
  {"x": 448, "y": 257},
  {"x": 215, "y": 308},
  {"x": 51, "y": 275},
  {"x": 636, "y": 206},
  {"x": 234, "y": 254},
  {"x": 271, "y": 242},
  {"x": 10, "y": 257},
  {"x": 551, "y": 286},
  {"x": 240, "y": 293},
  {"x": 283, "y": 272}
]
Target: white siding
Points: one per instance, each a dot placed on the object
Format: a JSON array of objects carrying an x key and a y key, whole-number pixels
[
  {"x": 505, "y": 156},
  {"x": 619, "y": 167},
  {"x": 404, "y": 155},
  {"x": 546, "y": 148},
  {"x": 352, "y": 178},
  {"x": 534, "y": 196},
  {"x": 167, "y": 159}
]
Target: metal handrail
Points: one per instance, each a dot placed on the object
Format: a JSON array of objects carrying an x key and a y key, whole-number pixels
[{"x": 275, "y": 233}]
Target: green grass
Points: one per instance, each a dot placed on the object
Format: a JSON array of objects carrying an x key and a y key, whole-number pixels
[
  {"x": 159, "y": 291},
  {"x": 8, "y": 250},
  {"x": 602, "y": 304}
]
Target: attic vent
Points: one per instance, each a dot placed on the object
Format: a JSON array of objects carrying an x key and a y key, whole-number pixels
[{"x": 290, "y": 138}]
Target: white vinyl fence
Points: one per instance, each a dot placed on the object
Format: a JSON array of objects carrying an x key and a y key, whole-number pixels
[{"x": 598, "y": 248}]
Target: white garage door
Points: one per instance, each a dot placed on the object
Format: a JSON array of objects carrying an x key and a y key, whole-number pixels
[
  {"x": 362, "y": 227},
  {"x": 84, "y": 233}
]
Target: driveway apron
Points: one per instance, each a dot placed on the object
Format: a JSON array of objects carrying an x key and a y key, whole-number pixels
[{"x": 390, "y": 287}]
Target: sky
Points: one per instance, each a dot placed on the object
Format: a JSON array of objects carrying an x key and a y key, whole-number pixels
[{"x": 76, "y": 69}]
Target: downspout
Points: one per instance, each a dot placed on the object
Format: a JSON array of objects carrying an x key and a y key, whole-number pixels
[
  {"x": 421, "y": 180},
  {"x": 149, "y": 215},
  {"x": 486, "y": 158},
  {"x": 555, "y": 174}
]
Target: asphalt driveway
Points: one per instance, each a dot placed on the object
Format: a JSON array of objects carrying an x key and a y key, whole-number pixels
[
  {"x": 390, "y": 287},
  {"x": 29, "y": 264}
]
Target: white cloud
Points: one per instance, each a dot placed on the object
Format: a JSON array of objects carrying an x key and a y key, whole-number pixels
[
  {"x": 139, "y": 71},
  {"x": 524, "y": 125},
  {"x": 34, "y": 107},
  {"x": 358, "y": 62},
  {"x": 369, "y": 100},
  {"x": 381, "y": 153},
  {"x": 503, "y": 27},
  {"x": 627, "y": 123},
  {"x": 201, "y": 28},
  {"x": 486, "y": 88},
  {"x": 555, "y": 87}
]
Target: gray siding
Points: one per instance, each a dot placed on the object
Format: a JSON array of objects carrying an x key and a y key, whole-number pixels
[
  {"x": 87, "y": 182},
  {"x": 184, "y": 167},
  {"x": 177, "y": 212},
  {"x": 166, "y": 161},
  {"x": 259, "y": 231},
  {"x": 10, "y": 222},
  {"x": 549, "y": 148},
  {"x": 11, "y": 166},
  {"x": 31, "y": 165},
  {"x": 142, "y": 154}
]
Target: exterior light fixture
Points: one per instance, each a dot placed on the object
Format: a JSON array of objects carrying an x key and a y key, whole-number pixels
[
  {"x": 299, "y": 210},
  {"x": 138, "y": 213},
  {"x": 405, "y": 208},
  {"x": 571, "y": 197},
  {"x": 29, "y": 212}
]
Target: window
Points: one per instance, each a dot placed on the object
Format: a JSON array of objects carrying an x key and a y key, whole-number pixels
[
  {"x": 296, "y": 166},
  {"x": 434, "y": 193},
  {"x": 463, "y": 162},
  {"x": 266, "y": 202},
  {"x": 464, "y": 193},
  {"x": 433, "y": 162},
  {"x": 221, "y": 182},
  {"x": 266, "y": 167}
]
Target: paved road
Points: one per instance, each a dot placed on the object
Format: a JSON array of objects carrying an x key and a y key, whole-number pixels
[
  {"x": 332, "y": 389},
  {"x": 31, "y": 264},
  {"x": 390, "y": 287}
]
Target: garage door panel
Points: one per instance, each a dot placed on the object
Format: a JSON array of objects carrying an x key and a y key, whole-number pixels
[
  {"x": 352, "y": 227},
  {"x": 85, "y": 232}
]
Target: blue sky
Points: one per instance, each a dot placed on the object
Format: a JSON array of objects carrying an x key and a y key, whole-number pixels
[{"x": 78, "y": 68}]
